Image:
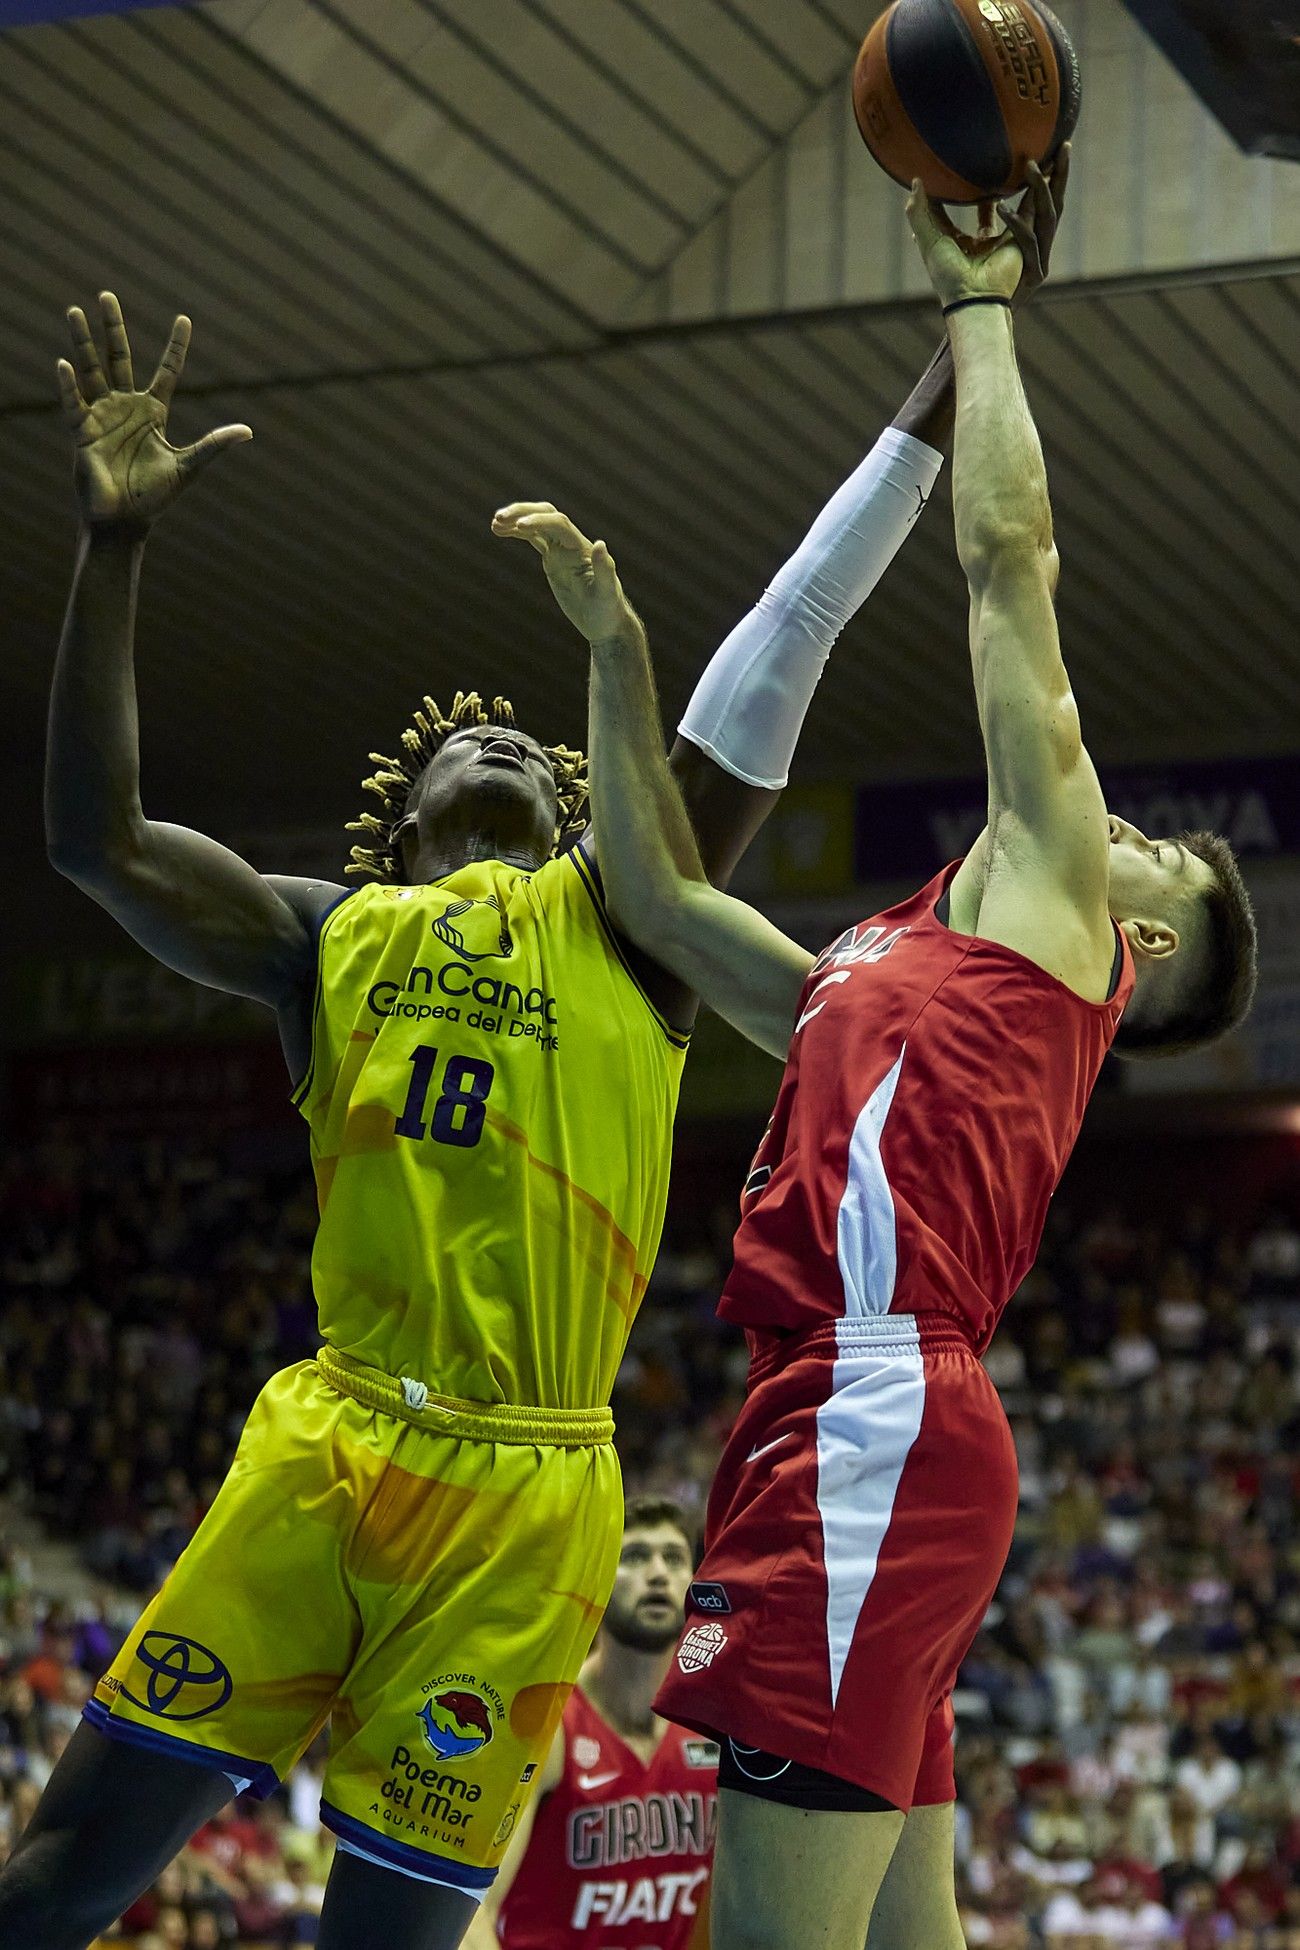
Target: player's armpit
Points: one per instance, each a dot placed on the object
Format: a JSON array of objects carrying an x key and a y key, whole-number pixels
[{"x": 200, "y": 909}]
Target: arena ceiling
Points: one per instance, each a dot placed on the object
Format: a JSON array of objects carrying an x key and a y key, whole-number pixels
[{"x": 430, "y": 249}]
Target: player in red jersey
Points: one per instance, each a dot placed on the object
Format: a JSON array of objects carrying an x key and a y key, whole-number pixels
[
  {"x": 941, "y": 1059},
  {"x": 614, "y": 1851}
]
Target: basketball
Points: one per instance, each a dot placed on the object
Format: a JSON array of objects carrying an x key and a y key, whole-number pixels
[{"x": 966, "y": 94}]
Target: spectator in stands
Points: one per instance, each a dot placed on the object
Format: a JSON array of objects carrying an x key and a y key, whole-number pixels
[{"x": 1129, "y": 1749}]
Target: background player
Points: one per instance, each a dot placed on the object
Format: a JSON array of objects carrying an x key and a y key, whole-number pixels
[
  {"x": 942, "y": 1057},
  {"x": 616, "y": 1848},
  {"x": 355, "y": 1565}
]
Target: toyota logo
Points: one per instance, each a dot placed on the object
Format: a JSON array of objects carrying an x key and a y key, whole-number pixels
[{"x": 185, "y": 1682}]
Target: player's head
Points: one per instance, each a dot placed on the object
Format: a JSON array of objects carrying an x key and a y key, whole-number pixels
[
  {"x": 471, "y": 771},
  {"x": 1188, "y": 918},
  {"x": 647, "y": 1606}
]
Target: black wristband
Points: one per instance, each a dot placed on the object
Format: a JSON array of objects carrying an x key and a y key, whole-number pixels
[{"x": 959, "y": 304}]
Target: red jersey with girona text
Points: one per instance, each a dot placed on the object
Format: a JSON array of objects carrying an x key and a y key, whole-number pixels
[
  {"x": 621, "y": 1849},
  {"x": 932, "y": 1095}
]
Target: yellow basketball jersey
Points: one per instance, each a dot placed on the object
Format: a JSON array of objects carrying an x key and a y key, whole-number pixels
[{"x": 491, "y": 1098}]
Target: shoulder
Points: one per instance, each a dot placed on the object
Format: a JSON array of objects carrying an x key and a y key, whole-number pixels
[{"x": 310, "y": 900}]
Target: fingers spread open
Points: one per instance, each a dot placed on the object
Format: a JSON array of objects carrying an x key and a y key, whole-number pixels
[
  {"x": 172, "y": 363},
  {"x": 117, "y": 344},
  {"x": 74, "y": 407},
  {"x": 85, "y": 356}
]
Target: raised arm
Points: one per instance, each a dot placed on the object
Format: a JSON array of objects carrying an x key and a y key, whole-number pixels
[
  {"x": 655, "y": 883},
  {"x": 191, "y": 902},
  {"x": 738, "y": 734},
  {"x": 1046, "y": 849}
]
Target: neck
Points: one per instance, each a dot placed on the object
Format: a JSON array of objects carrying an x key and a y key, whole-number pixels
[
  {"x": 447, "y": 853},
  {"x": 621, "y": 1684}
]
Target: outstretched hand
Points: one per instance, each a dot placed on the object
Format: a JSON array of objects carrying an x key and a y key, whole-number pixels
[
  {"x": 126, "y": 471},
  {"x": 1010, "y": 262},
  {"x": 582, "y": 575}
]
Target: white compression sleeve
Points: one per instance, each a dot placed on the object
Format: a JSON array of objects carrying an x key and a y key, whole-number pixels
[{"x": 748, "y": 708}]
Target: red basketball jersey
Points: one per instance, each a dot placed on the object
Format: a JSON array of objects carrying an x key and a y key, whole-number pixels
[
  {"x": 932, "y": 1095},
  {"x": 620, "y": 1852}
]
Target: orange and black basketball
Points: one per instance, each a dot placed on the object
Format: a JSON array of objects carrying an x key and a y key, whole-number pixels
[{"x": 966, "y": 94}]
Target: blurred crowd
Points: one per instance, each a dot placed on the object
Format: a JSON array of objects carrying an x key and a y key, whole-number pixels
[{"x": 1129, "y": 1716}]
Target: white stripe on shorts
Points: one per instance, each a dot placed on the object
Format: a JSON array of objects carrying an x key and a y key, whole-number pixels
[{"x": 865, "y": 1430}]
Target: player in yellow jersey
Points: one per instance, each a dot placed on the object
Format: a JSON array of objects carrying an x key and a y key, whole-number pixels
[{"x": 420, "y": 1528}]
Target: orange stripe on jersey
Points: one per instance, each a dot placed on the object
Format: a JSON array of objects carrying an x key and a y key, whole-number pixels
[{"x": 621, "y": 1245}]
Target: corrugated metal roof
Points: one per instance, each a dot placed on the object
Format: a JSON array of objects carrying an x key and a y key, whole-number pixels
[{"x": 407, "y": 230}]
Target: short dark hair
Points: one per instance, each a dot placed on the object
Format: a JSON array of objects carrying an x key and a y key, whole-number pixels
[
  {"x": 646, "y": 1511},
  {"x": 1217, "y": 995}
]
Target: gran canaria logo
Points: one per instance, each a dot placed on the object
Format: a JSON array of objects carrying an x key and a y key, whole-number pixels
[{"x": 488, "y": 932}]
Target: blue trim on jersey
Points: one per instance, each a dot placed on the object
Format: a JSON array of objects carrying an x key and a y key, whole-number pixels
[
  {"x": 298, "y": 1094},
  {"x": 400, "y": 1855},
  {"x": 588, "y": 873},
  {"x": 260, "y": 1775}
]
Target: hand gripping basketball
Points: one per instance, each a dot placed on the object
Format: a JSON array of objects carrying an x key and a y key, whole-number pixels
[{"x": 1009, "y": 263}]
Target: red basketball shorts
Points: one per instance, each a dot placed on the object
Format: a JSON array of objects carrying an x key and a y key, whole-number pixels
[{"x": 857, "y": 1528}]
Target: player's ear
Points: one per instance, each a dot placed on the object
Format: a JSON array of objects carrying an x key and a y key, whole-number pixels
[{"x": 1150, "y": 940}]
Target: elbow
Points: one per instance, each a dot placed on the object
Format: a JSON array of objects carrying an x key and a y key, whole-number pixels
[
  {"x": 89, "y": 860},
  {"x": 999, "y": 551},
  {"x": 71, "y": 857}
]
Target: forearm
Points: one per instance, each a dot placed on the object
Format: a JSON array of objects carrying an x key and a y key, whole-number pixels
[
  {"x": 930, "y": 408},
  {"x": 1000, "y": 499},
  {"x": 92, "y": 772},
  {"x": 647, "y": 848},
  {"x": 748, "y": 709}
]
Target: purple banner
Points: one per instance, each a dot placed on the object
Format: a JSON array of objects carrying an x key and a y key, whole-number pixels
[
  {"x": 908, "y": 831},
  {"x": 27, "y": 13}
]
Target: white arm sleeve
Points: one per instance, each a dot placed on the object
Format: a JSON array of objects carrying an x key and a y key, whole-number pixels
[{"x": 748, "y": 708}]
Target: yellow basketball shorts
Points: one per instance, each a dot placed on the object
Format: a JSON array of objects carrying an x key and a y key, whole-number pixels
[{"x": 425, "y": 1575}]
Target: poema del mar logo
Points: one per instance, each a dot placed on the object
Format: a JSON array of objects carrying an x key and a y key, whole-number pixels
[{"x": 456, "y": 1722}]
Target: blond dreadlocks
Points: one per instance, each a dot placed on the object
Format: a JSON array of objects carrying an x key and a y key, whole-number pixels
[{"x": 393, "y": 782}]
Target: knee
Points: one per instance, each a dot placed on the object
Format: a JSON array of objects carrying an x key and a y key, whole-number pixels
[
  {"x": 925, "y": 1926},
  {"x": 40, "y": 1907},
  {"x": 739, "y": 1922}
]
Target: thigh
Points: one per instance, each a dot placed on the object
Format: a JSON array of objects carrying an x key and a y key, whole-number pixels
[
  {"x": 788, "y": 1879},
  {"x": 367, "y": 1904},
  {"x": 481, "y": 1579},
  {"x": 111, "y": 1818},
  {"x": 236, "y": 1661},
  {"x": 917, "y": 1905}
]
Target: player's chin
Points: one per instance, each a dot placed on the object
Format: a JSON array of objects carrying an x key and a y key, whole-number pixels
[
  {"x": 650, "y": 1628},
  {"x": 503, "y": 792}
]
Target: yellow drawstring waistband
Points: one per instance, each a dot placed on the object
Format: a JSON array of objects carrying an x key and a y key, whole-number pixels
[{"x": 411, "y": 1401}]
